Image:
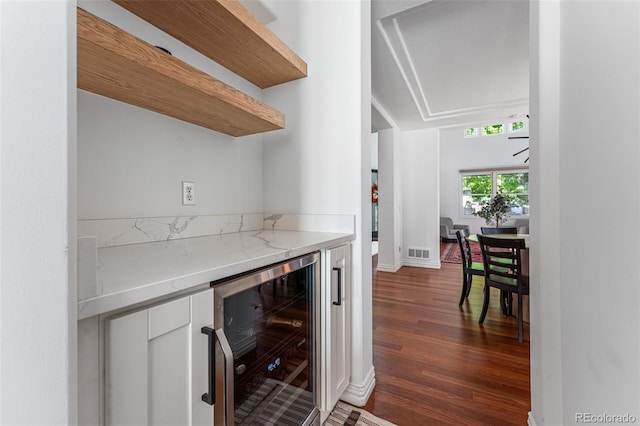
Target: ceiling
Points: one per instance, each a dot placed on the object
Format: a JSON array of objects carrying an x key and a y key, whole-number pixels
[{"x": 449, "y": 63}]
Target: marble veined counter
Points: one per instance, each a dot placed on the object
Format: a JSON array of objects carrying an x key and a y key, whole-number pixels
[{"x": 131, "y": 274}]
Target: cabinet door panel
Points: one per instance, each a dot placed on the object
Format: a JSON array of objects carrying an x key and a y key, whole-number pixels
[
  {"x": 169, "y": 316},
  {"x": 126, "y": 388},
  {"x": 339, "y": 324},
  {"x": 169, "y": 373},
  {"x": 336, "y": 324},
  {"x": 201, "y": 315},
  {"x": 157, "y": 364}
]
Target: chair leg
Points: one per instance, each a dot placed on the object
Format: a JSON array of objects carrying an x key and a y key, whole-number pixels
[
  {"x": 469, "y": 283},
  {"x": 485, "y": 305},
  {"x": 510, "y": 303},
  {"x": 520, "y": 320},
  {"x": 506, "y": 303},
  {"x": 464, "y": 292}
]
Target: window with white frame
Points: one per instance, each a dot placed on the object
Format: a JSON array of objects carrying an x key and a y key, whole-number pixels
[
  {"x": 496, "y": 129},
  {"x": 471, "y": 132},
  {"x": 518, "y": 126},
  {"x": 478, "y": 186}
]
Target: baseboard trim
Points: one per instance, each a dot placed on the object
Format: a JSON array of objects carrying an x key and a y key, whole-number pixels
[
  {"x": 433, "y": 264},
  {"x": 530, "y": 420},
  {"x": 358, "y": 395},
  {"x": 388, "y": 268}
]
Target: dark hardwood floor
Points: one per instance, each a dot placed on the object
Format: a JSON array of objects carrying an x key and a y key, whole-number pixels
[{"x": 435, "y": 365}]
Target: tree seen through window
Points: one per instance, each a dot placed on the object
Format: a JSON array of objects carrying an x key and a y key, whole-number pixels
[{"x": 478, "y": 188}]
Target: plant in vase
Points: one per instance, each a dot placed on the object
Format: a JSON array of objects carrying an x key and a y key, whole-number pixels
[{"x": 496, "y": 210}]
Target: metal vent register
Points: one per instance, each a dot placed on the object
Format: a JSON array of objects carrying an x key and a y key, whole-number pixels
[{"x": 418, "y": 253}]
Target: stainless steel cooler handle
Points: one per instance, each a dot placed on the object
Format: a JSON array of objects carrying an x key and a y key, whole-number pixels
[{"x": 228, "y": 376}]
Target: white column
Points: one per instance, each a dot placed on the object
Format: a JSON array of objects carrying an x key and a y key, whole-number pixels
[
  {"x": 362, "y": 370},
  {"x": 390, "y": 200},
  {"x": 37, "y": 213},
  {"x": 545, "y": 304},
  {"x": 320, "y": 163},
  {"x": 421, "y": 196}
]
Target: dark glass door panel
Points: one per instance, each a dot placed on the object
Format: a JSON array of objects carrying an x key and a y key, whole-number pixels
[{"x": 270, "y": 330}]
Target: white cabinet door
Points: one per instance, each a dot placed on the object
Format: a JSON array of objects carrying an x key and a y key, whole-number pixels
[
  {"x": 336, "y": 323},
  {"x": 156, "y": 364}
]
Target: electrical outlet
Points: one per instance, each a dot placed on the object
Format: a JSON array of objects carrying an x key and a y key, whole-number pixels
[{"x": 188, "y": 193}]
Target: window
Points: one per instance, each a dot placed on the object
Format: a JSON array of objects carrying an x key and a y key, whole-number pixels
[
  {"x": 494, "y": 129},
  {"x": 471, "y": 132},
  {"x": 517, "y": 126},
  {"x": 516, "y": 186},
  {"x": 477, "y": 187}
]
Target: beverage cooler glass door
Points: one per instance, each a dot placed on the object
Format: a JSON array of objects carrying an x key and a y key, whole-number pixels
[{"x": 266, "y": 362}]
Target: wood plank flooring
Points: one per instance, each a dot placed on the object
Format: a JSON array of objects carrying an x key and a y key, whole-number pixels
[{"x": 435, "y": 365}]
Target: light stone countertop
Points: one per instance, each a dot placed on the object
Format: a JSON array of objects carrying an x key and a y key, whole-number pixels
[{"x": 132, "y": 274}]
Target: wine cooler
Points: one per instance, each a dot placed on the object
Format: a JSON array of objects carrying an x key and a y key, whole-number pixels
[{"x": 264, "y": 346}]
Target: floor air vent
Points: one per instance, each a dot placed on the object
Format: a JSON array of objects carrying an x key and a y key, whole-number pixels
[{"x": 417, "y": 253}]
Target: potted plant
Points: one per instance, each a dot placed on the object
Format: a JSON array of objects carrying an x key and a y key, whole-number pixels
[{"x": 496, "y": 210}]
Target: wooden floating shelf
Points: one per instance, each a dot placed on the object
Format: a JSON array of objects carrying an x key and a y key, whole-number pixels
[
  {"x": 115, "y": 64},
  {"x": 225, "y": 31}
]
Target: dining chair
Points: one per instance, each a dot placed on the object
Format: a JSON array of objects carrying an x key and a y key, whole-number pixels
[
  {"x": 507, "y": 230},
  {"x": 469, "y": 267},
  {"x": 507, "y": 277}
]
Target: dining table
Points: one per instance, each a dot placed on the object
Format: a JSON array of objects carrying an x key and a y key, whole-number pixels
[{"x": 525, "y": 266}]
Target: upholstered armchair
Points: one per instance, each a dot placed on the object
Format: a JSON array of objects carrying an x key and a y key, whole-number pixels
[
  {"x": 522, "y": 225},
  {"x": 448, "y": 229}
]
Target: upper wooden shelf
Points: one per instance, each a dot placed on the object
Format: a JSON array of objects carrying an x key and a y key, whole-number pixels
[
  {"x": 114, "y": 63},
  {"x": 225, "y": 31}
]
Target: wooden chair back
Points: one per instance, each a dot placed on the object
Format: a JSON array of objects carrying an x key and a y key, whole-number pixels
[
  {"x": 465, "y": 250},
  {"x": 502, "y": 259}
]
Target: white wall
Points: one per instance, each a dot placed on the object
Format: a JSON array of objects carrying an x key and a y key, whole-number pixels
[
  {"x": 585, "y": 328},
  {"x": 390, "y": 200},
  {"x": 132, "y": 161},
  {"x": 460, "y": 153},
  {"x": 309, "y": 166},
  {"x": 421, "y": 203},
  {"x": 374, "y": 150},
  {"x": 37, "y": 213},
  {"x": 321, "y": 162}
]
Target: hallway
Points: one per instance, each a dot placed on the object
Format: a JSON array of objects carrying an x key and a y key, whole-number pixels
[{"x": 435, "y": 365}]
